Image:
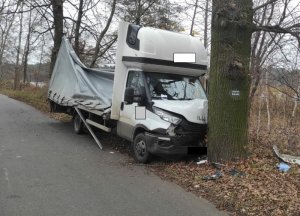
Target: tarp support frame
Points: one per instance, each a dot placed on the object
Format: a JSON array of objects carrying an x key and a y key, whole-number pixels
[{"x": 88, "y": 127}]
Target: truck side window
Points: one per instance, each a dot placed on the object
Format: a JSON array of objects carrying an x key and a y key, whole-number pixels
[{"x": 135, "y": 81}]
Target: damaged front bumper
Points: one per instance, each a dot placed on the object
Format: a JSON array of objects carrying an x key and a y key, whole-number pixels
[{"x": 174, "y": 145}]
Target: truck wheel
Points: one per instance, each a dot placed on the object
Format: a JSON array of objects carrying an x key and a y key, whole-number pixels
[
  {"x": 140, "y": 149},
  {"x": 78, "y": 124}
]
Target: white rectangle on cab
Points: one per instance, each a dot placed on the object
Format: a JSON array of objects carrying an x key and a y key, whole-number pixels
[
  {"x": 140, "y": 113},
  {"x": 184, "y": 57}
]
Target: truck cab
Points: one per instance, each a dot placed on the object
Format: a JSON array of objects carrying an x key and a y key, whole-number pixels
[{"x": 159, "y": 103}]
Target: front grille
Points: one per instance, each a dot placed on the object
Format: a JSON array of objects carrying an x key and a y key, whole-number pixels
[{"x": 186, "y": 127}]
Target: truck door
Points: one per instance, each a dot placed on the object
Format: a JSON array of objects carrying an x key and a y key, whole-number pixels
[{"x": 127, "y": 121}]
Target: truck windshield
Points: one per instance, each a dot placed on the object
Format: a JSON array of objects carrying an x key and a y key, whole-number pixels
[{"x": 174, "y": 87}]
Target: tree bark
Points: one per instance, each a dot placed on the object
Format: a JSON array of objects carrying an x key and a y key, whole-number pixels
[
  {"x": 206, "y": 24},
  {"x": 284, "y": 110},
  {"x": 229, "y": 79},
  {"x": 27, "y": 49},
  {"x": 6, "y": 32},
  {"x": 267, "y": 101},
  {"x": 17, "y": 66},
  {"x": 101, "y": 36},
  {"x": 57, "y": 9},
  {"x": 296, "y": 101},
  {"x": 77, "y": 28},
  {"x": 259, "y": 117},
  {"x": 259, "y": 49},
  {"x": 193, "y": 19}
]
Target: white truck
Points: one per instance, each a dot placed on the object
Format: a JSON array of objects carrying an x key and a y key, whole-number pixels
[{"x": 153, "y": 97}]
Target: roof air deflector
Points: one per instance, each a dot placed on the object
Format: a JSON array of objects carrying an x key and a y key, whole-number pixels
[{"x": 131, "y": 39}]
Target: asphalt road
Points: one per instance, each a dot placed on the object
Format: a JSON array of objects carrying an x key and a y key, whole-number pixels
[{"x": 46, "y": 169}]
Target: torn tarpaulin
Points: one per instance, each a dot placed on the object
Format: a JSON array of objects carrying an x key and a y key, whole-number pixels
[
  {"x": 283, "y": 167},
  {"x": 74, "y": 84},
  {"x": 236, "y": 172},
  {"x": 215, "y": 176},
  {"x": 201, "y": 162},
  {"x": 286, "y": 158}
]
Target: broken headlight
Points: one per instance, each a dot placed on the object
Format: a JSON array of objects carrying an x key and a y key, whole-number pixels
[{"x": 166, "y": 116}]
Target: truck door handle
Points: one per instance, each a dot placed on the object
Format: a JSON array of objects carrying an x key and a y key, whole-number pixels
[{"x": 122, "y": 105}]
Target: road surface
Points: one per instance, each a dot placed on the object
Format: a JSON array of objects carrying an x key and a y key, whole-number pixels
[{"x": 46, "y": 169}]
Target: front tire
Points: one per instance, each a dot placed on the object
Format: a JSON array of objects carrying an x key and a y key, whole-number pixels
[
  {"x": 140, "y": 149},
  {"x": 78, "y": 124}
]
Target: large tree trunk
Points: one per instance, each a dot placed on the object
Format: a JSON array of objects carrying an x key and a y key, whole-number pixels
[
  {"x": 57, "y": 8},
  {"x": 229, "y": 79}
]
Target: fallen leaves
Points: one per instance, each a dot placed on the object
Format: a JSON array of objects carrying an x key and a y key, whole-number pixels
[
  {"x": 259, "y": 192},
  {"x": 263, "y": 190}
]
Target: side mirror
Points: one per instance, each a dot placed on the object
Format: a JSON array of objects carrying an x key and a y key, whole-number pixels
[{"x": 129, "y": 95}]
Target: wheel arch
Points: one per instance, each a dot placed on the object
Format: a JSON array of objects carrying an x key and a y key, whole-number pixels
[{"x": 139, "y": 128}]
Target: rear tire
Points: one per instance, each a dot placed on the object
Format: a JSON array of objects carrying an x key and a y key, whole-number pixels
[
  {"x": 140, "y": 149},
  {"x": 78, "y": 124}
]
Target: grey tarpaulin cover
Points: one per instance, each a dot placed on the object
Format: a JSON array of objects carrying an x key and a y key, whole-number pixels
[{"x": 72, "y": 83}]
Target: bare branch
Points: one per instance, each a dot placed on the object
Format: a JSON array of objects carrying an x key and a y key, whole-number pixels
[{"x": 264, "y": 5}]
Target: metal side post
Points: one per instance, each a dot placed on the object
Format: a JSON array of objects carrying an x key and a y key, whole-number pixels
[{"x": 89, "y": 128}]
